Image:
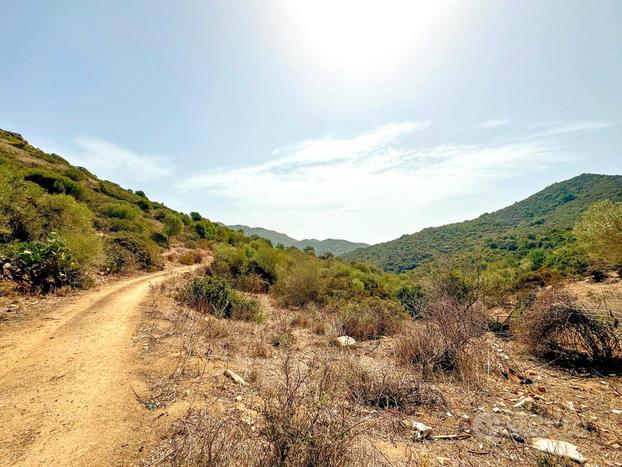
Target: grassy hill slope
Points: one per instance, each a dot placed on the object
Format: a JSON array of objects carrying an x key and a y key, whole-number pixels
[
  {"x": 541, "y": 221},
  {"x": 59, "y": 222},
  {"x": 335, "y": 246}
]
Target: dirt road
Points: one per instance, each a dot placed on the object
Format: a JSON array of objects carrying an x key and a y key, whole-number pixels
[{"x": 66, "y": 380}]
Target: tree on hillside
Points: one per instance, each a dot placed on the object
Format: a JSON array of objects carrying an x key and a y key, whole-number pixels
[
  {"x": 309, "y": 250},
  {"x": 600, "y": 231},
  {"x": 173, "y": 225},
  {"x": 195, "y": 216}
]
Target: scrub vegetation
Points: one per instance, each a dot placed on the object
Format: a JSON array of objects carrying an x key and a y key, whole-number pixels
[{"x": 284, "y": 357}]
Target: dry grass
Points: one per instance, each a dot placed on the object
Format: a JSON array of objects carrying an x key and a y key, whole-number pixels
[
  {"x": 391, "y": 390},
  {"x": 311, "y": 403},
  {"x": 444, "y": 341},
  {"x": 303, "y": 419}
]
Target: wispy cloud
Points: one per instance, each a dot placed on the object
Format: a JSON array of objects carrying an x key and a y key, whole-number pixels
[
  {"x": 495, "y": 123},
  {"x": 108, "y": 160},
  {"x": 560, "y": 128},
  {"x": 381, "y": 175}
]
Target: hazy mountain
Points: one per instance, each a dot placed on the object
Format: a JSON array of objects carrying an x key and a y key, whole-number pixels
[{"x": 335, "y": 246}]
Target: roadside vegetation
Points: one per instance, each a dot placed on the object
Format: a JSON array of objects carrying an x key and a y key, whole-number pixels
[{"x": 323, "y": 360}]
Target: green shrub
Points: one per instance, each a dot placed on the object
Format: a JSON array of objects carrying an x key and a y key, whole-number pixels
[
  {"x": 214, "y": 296},
  {"x": 127, "y": 225},
  {"x": 301, "y": 283},
  {"x": 412, "y": 299},
  {"x": 19, "y": 214},
  {"x": 173, "y": 225},
  {"x": 205, "y": 230},
  {"x": 73, "y": 222},
  {"x": 42, "y": 266},
  {"x": 370, "y": 318},
  {"x": 246, "y": 268},
  {"x": 144, "y": 205},
  {"x": 120, "y": 211},
  {"x": 75, "y": 173},
  {"x": 600, "y": 231},
  {"x": 126, "y": 252},
  {"x": 158, "y": 238},
  {"x": 56, "y": 184},
  {"x": 114, "y": 191}
]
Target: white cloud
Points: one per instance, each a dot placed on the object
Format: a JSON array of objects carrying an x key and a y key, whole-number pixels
[
  {"x": 493, "y": 123},
  {"x": 109, "y": 161},
  {"x": 559, "y": 128},
  {"x": 366, "y": 186}
]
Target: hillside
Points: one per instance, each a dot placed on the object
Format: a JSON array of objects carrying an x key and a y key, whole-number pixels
[
  {"x": 334, "y": 246},
  {"x": 541, "y": 221},
  {"x": 59, "y": 223}
]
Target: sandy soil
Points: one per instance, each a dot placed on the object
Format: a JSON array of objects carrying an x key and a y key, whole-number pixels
[{"x": 67, "y": 380}]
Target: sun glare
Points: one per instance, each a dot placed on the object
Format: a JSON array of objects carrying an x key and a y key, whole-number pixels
[{"x": 363, "y": 38}]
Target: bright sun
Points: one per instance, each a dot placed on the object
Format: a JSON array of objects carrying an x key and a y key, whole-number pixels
[{"x": 363, "y": 37}]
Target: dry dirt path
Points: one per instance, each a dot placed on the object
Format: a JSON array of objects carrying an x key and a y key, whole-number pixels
[{"x": 66, "y": 380}]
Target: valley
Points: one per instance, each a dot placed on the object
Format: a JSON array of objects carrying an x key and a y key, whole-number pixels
[{"x": 133, "y": 334}]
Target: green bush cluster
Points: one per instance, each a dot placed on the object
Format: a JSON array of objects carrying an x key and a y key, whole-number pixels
[
  {"x": 214, "y": 296},
  {"x": 370, "y": 317},
  {"x": 127, "y": 252},
  {"x": 42, "y": 266},
  {"x": 55, "y": 183}
]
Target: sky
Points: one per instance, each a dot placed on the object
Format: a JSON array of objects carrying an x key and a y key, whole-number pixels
[{"x": 355, "y": 119}]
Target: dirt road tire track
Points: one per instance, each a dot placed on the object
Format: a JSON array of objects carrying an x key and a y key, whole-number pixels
[{"x": 66, "y": 381}]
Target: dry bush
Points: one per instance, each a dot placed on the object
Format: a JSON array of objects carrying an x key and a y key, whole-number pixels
[
  {"x": 560, "y": 328},
  {"x": 252, "y": 283},
  {"x": 301, "y": 320},
  {"x": 370, "y": 318},
  {"x": 283, "y": 339},
  {"x": 301, "y": 419},
  {"x": 304, "y": 421},
  {"x": 261, "y": 350},
  {"x": 445, "y": 341},
  {"x": 384, "y": 390},
  {"x": 202, "y": 439},
  {"x": 313, "y": 318},
  {"x": 215, "y": 328},
  {"x": 189, "y": 258}
]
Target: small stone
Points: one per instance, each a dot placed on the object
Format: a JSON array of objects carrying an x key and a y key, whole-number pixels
[
  {"x": 616, "y": 412},
  {"x": 235, "y": 377},
  {"x": 615, "y": 446},
  {"x": 238, "y": 398},
  {"x": 443, "y": 460},
  {"x": 422, "y": 430},
  {"x": 345, "y": 341},
  {"x": 558, "y": 448},
  {"x": 496, "y": 409},
  {"x": 525, "y": 403}
]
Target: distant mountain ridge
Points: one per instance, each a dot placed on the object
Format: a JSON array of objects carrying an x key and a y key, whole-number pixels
[
  {"x": 335, "y": 246},
  {"x": 551, "y": 212}
]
